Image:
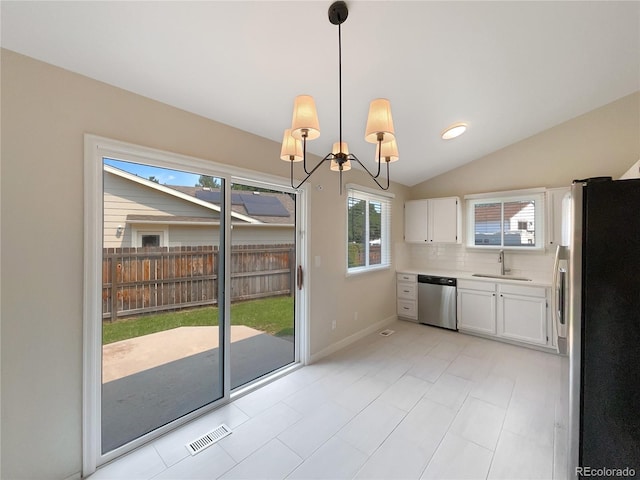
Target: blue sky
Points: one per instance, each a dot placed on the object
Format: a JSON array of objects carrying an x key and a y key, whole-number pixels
[{"x": 164, "y": 175}]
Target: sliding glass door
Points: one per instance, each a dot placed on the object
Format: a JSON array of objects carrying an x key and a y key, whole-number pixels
[
  {"x": 162, "y": 325},
  {"x": 263, "y": 270},
  {"x": 190, "y": 291}
]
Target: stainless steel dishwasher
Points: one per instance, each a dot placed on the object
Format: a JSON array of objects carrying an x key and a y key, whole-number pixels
[{"x": 437, "y": 301}]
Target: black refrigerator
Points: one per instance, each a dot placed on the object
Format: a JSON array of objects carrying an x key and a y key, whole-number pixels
[{"x": 597, "y": 288}]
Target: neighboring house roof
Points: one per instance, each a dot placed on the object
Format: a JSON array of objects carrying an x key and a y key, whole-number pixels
[
  {"x": 173, "y": 219},
  {"x": 177, "y": 194},
  {"x": 491, "y": 212},
  {"x": 267, "y": 207}
]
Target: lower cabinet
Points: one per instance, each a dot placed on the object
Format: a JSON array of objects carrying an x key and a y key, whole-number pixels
[
  {"x": 522, "y": 314},
  {"x": 407, "y": 296},
  {"x": 477, "y": 307},
  {"x": 512, "y": 312}
]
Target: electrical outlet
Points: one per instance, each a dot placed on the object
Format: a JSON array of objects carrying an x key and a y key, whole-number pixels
[{"x": 333, "y": 325}]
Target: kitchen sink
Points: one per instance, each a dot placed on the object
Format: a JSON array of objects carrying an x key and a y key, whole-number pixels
[{"x": 501, "y": 277}]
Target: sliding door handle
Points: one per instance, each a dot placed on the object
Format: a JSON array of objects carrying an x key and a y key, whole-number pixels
[{"x": 299, "y": 278}]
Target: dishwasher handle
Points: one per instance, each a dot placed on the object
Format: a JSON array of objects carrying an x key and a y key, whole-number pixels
[{"x": 446, "y": 281}]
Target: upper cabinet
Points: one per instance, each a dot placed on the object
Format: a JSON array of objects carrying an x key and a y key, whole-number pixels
[
  {"x": 555, "y": 202},
  {"x": 415, "y": 221},
  {"x": 633, "y": 172},
  {"x": 433, "y": 220}
]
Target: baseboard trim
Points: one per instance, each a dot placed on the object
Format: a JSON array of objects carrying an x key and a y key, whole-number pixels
[
  {"x": 75, "y": 476},
  {"x": 334, "y": 347}
]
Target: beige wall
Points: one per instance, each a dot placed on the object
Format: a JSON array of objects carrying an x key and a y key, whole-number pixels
[
  {"x": 45, "y": 113},
  {"x": 603, "y": 142}
]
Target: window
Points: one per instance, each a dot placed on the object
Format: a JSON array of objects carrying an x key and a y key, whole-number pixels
[
  {"x": 146, "y": 236},
  {"x": 368, "y": 230},
  {"x": 509, "y": 220},
  {"x": 150, "y": 240}
]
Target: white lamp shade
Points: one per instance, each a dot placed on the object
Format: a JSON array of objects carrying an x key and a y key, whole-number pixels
[
  {"x": 379, "y": 121},
  {"x": 336, "y": 168},
  {"x": 305, "y": 117},
  {"x": 291, "y": 150},
  {"x": 337, "y": 149},
  {"x": 388, "y": 152}
]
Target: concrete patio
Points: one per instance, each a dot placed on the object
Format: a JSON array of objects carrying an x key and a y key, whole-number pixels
[{"x": 150, "y": 381}]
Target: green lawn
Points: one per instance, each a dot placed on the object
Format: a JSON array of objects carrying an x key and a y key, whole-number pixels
[{"x": 270, "y": 315}]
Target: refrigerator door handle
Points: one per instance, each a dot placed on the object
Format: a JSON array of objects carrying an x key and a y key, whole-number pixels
[
  {"x": 559, "y": 293},
  {"x": 562, "y": 323}
]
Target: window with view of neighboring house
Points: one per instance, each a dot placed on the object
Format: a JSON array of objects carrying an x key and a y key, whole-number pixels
[
  {"x": 512, "y": 221},
  {"x": 368, "y": 230}
]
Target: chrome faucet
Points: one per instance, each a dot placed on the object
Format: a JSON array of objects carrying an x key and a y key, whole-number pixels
[{"x": 503, "y": 271}]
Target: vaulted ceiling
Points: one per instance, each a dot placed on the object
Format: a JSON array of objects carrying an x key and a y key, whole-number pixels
[{"x": 507, "y": 69}]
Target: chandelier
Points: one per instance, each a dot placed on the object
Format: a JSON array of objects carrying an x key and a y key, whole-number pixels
[{"x": 305, "y": 126}]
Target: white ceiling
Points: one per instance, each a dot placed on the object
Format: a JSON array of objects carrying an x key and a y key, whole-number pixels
[{"x": 508, "y": 69}]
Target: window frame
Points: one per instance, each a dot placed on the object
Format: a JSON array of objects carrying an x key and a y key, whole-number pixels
[
  {"x": 534, "y": 194},
  {"x": 386, "y": 200},
  {"x": 138, "y": 232}
]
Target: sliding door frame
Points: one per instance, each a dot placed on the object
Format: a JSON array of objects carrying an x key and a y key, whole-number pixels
[{"x": 95, "y": 150}]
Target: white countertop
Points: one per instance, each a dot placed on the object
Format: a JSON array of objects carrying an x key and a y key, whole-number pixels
[{"x": 535, "y": 282}]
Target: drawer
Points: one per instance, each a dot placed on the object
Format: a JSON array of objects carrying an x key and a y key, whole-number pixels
[
  {"x": 407, "y": 290},
  {"x": 477, "y": 285},
  {"x": 407, "y": 277},
  {"x": 407, "y": 308},
  {"x": 522, "y": 290}
]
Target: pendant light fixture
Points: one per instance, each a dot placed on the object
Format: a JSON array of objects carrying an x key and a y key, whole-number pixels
[{"x": 305, "y": 126}]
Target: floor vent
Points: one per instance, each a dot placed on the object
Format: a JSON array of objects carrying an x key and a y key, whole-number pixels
[
  {"x": 208, "y": 439},
  {"x": 387, "y": 332}
]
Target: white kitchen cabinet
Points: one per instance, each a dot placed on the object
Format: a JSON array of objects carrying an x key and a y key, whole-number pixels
[
  {"x": 554, "y": 204},
  {"x": 407, "y": 296},
  {"x": 522, "y": 314},
  {"x": 513, "y": 312},
  {"x": 633, "y": 172},
  {"x": 477, "y": 307},
  {"x": 415, "y": 221},
  {"x": 433, "y": 220}
]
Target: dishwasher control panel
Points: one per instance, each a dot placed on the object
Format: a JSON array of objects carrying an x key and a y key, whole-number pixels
[{"x": 437, "y": 280}]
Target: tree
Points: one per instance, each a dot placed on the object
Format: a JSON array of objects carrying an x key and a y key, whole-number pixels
[
  {"x": 154, "y": 179},
  {"x": 357, "y": 221},
  {"x": 208, "y": 182}
]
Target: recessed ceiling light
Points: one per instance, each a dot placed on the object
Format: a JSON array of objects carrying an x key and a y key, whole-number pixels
[{"x": 454, "y": 131}]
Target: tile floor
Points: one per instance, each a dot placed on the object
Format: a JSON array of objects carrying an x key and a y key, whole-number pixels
[{"x": 423, "y": 403}]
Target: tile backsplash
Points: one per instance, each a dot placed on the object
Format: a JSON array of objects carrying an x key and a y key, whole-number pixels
[{"x": 458, "y": 258}]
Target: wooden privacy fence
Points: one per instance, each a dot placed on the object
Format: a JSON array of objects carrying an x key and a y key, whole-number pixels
[
  {"x": 357, "y": 254},
  {"x": 151, "y": 279}
]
